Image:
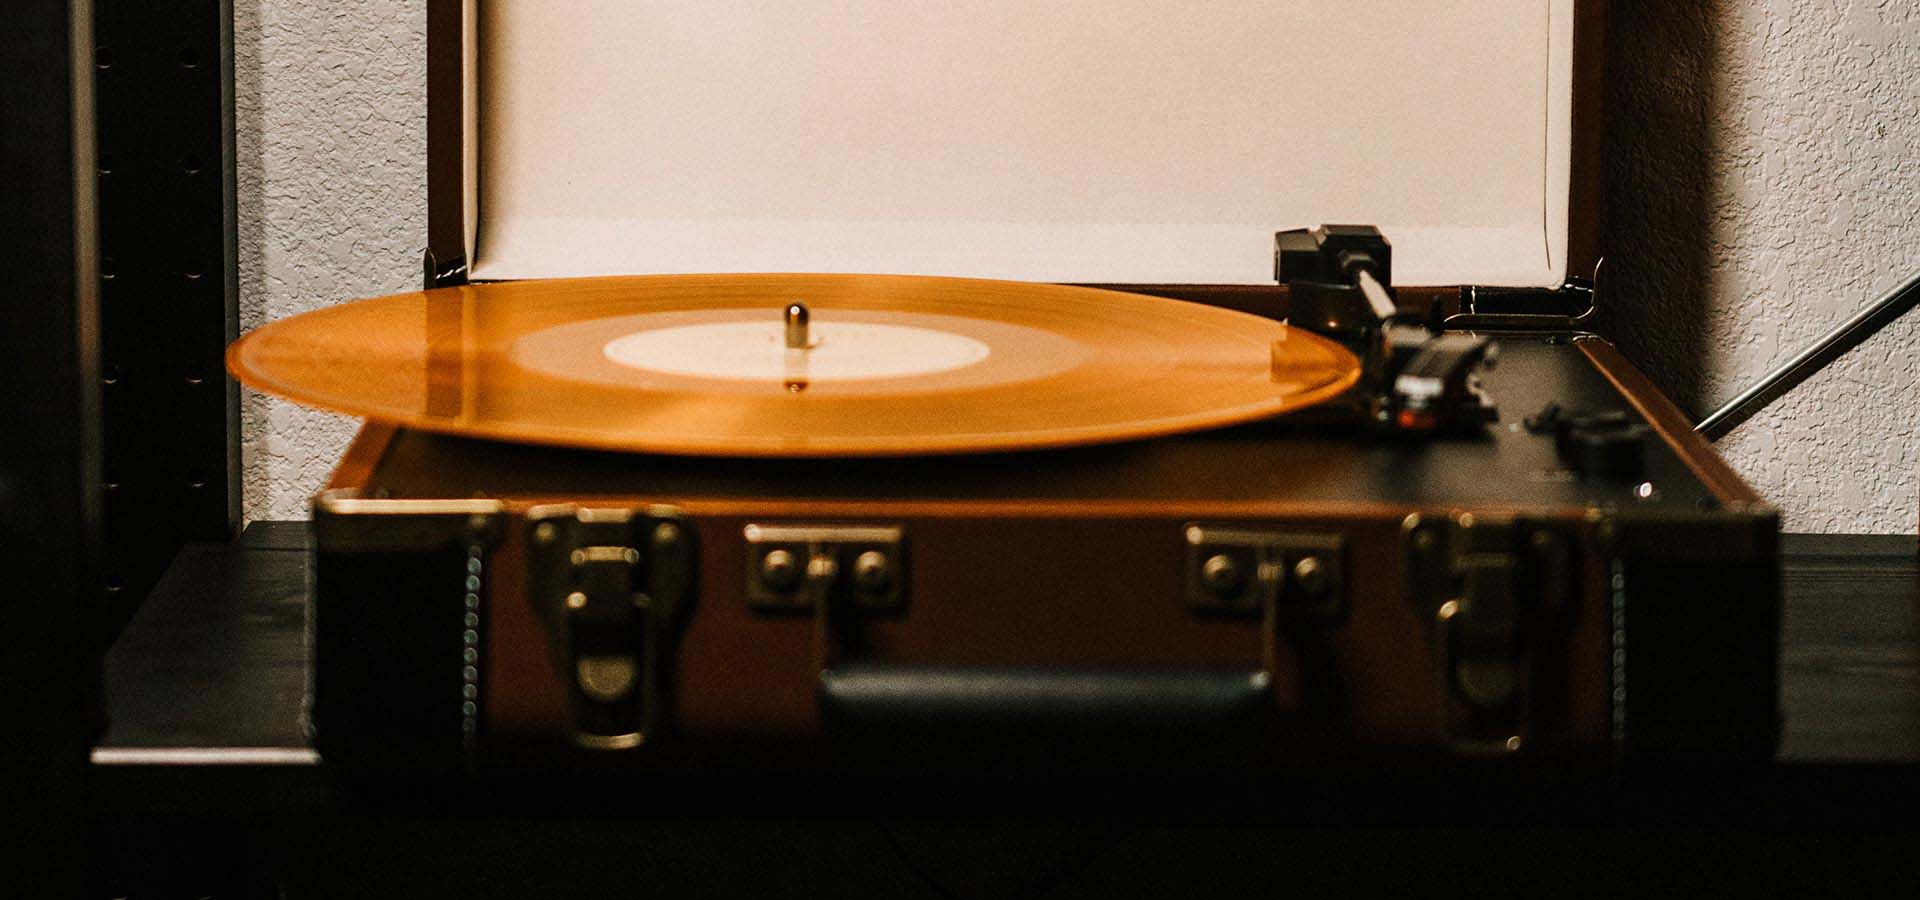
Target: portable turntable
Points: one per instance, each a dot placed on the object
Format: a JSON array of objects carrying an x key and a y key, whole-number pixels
[{"x": 1068, "y": 484}]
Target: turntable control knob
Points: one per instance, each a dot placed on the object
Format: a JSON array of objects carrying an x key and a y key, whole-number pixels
[
  {"x": 1611, "y": 454},
  {"x": 1604, "y": 445}
]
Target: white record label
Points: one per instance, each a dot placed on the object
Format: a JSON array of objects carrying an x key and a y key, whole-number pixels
[{"x": 757, "y": 351}]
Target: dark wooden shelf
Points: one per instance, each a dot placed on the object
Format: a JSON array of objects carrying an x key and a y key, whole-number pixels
[
  {"x": 214, "y": 664},
  {"x": 212, "y": 671},
  {"x": 1850, "y": 649}
]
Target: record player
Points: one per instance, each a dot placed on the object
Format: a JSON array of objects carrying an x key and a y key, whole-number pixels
[{"x": 1112, "y": 465}]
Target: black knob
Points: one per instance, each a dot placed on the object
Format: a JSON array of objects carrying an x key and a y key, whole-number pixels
[{"x": 1607, "y": 445}]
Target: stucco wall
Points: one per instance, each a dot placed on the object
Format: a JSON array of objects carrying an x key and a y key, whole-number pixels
[
  {"x": 1763, "y": 180},
  {"x": 1764, "y": 183},
  {"x": 330, "y": 114}
]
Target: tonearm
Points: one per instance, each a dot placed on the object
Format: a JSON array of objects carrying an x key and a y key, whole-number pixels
[{"x": 1414, "y": 378}]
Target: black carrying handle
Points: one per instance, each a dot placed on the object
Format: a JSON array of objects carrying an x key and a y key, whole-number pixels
[{"x": 1030, "y": 702}]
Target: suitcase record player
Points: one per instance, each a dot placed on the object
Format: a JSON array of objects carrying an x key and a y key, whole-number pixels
[{"x": 622, "y": 503}]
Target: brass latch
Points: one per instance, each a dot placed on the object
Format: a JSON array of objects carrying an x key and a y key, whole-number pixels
[
  {"x": 612, "y": 585},
  {"x": 804, "y": 566},
  {"x": 1495, "y": 588},
  {"x": 826, "y": 570},
  {"x": 1248, "y": 573}
]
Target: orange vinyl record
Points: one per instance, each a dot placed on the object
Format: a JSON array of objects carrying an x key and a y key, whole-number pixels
[{"x": 792, "y": 365}]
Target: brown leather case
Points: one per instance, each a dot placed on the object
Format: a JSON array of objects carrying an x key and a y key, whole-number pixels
[
  {"x": 1465, "y": 598},
  {"x": 1285, "y": 595}
]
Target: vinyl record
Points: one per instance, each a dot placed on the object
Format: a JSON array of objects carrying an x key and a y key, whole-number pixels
[{"x": 716, "y": 365}]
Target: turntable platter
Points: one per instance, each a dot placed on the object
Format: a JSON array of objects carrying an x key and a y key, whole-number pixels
[{"x": 792, "y": 365}]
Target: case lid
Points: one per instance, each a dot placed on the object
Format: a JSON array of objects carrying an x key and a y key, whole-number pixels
[{"x": 1099, "y": 141}]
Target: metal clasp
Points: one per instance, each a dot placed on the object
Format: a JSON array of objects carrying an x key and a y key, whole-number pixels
[
  {"x": 823, "y": 570},
  {"x": 612, "y": 584},
  {"x": 1235, "y": 572},
  {"x": 1494, "y": 588}
]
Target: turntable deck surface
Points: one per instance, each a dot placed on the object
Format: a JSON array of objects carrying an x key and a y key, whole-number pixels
[{"x": 1289, "y": 460}]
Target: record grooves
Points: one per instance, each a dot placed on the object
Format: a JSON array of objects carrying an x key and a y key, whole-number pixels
[{"x": 706, "y": 365}]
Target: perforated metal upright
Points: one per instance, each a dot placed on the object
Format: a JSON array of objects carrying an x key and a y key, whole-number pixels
[
  {"x": 164, "y": 81},
  {"x": 48, "y": 512}
]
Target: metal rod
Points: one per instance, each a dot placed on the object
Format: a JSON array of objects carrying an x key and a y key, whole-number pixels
[
  {"x": 798, "y": 342},
  {"x": 1864, "y": 324},
  {"x": 1376, "y": 294},
  {"x": 797, "y": 317}
]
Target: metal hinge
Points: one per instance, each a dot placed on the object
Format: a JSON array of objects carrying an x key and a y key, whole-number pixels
[
  {"x": 1564, "y": 308},
  {"x": 439, "y": 273}
]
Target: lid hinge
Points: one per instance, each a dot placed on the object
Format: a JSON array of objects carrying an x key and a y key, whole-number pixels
[
  {"x": 439, "y": 273},
  {"x": 1564, "y": 308}
]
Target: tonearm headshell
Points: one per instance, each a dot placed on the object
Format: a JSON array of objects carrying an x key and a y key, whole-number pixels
[{"x": 1414, "y": 377}]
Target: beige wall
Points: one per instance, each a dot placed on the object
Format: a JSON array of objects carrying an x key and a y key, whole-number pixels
[
  {"x": 1764, "y": 180},
  {"x": 1764, "y": 183},
  {"x": 330, "y": 114}
]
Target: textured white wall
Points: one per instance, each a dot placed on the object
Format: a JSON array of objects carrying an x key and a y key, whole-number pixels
[
  {"x": 1763, "y": 180},
  {"x": 1763, "y": 184},
  {"x": 330, "y": 110}
]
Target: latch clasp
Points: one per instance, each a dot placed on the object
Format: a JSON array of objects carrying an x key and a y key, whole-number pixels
[
  {"x": 612, "y": 585},
  {"x": 826, "y": 570},
  {"x": 1236, "y": 572},
  {"x": 1494, "y": 588}
]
